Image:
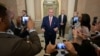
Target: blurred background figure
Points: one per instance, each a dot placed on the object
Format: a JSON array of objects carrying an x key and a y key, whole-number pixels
[
  {"x": 12, "y": 25},
  {"x": 62, "y": 24},
  {"x": 94, "y": 20},
  {"x": 22, "y": 24},
  {"x": 74, "y": 23},
  {"x": 75, "y": 18},
  {"x": 93, "y": 26},
  {"x": 23, "y": 19}
]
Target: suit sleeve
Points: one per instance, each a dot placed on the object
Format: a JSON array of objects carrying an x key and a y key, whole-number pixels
[
  {"x": 43, "y": 23},
  {"x": 57, "y": 23},
  {"x": 36, "y": 45},
  {"x": 65, "y": 20},
  {"x": 22, "y": 48}
]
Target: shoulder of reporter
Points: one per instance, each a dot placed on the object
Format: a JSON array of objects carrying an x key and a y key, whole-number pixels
[
  {"x": 69, "y": 46},
  {"x": 34, "y": 38},
  {"x": 33, "y": 32}
]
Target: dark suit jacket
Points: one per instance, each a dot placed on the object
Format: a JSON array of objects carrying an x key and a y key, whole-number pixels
[
  {"x": 64, "y": 19},
  {"x": 20, "y": 33},
  {"x": 85, "y": 49},
  {"x": 46, "y": 25},
  {"x": 11, "y": 45},
  {"x": 12, "y": 26}
]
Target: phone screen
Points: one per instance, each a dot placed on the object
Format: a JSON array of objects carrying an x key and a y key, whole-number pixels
[
  {"x": 75, "y": 19},
  {"x": 25, "y": 20},
  {"x": 60, "y": 46}
]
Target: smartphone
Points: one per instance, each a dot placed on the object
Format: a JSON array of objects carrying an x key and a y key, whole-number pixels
[
  {"x": 25, "y": 20},
  {"x": 60, "y": 46},
  {"x": 75, "y": 19}
]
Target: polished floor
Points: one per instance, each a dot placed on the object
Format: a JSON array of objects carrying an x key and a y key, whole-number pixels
[{"x": 43, "y": 44}]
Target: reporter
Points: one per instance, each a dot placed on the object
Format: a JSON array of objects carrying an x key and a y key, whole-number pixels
[
  {"x": 81, "y": 47},
  {"x": 96, "y": 37},
  {"x": 11, "y": 45}
]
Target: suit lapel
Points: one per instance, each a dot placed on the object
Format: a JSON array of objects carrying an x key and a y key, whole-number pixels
[
  {"x": 63, "y": 18},
  {"x": 48, "y": 22},
  {"x": 60, "y": 18}
]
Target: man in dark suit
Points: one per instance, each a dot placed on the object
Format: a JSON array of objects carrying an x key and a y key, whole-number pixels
[
  {"x": 11, "y": 45},
  {"x": 62, "y": 22},
  {"x": 49, "y": 27}
]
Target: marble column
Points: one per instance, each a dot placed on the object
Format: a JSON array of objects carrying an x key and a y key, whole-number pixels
[
  {"x": 30, "y": 9},
  {"x": 71, "y": 5},
  {"x": 20, "y": 6}
]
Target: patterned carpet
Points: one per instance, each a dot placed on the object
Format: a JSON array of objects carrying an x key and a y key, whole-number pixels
[{"x": 43, "y": 44}]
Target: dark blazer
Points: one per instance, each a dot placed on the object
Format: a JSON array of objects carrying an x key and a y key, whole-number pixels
[
  {"x": 46, "y": 25},
  {"x": 11, "y": 45},
  {"x": 12, "y": 26},
  {"x": 20, "y": 33},
  {"x": 64, "y": 19},
  {"x": 85, "y": 49}
]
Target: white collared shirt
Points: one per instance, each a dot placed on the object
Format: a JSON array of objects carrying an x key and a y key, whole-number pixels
[
  {"x": 50, "y": 18},
  {"x": 62, "y": 16}
]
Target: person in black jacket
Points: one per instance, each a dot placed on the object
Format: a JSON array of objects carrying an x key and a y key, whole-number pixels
[
  {"x": 62, "y": 24},
  {"x": 11, "y": 45}
]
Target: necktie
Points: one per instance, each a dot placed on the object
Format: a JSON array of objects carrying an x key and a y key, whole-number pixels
[{"x": 50, "y": 20}]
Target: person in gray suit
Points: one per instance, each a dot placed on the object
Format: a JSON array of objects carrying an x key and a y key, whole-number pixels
[{"x": 11, "y": 45}]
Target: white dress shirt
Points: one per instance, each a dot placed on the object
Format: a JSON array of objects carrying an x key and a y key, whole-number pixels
[{"x": 62, "y": 16}]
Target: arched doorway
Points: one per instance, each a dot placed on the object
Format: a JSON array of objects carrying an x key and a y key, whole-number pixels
[{"x": 50, "y": 4}]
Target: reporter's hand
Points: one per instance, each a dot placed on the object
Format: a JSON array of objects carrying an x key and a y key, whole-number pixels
[
  {"x": 43, "y": 30},
  {"x": 61, "y": 23},
  {"x": 70, "y": 47},
  {"x": 75, "y": 32},
  {"x": 82, "y": 35},
  {"x": 50, "y": 48},
  {"x": 30, "y": 24},
  {"x": 55, "y": 29}
]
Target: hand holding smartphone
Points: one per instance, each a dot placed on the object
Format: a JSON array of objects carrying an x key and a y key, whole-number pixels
[
  {"x": 60, "y": 46},
  {"x": 25, "y": 20}
]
